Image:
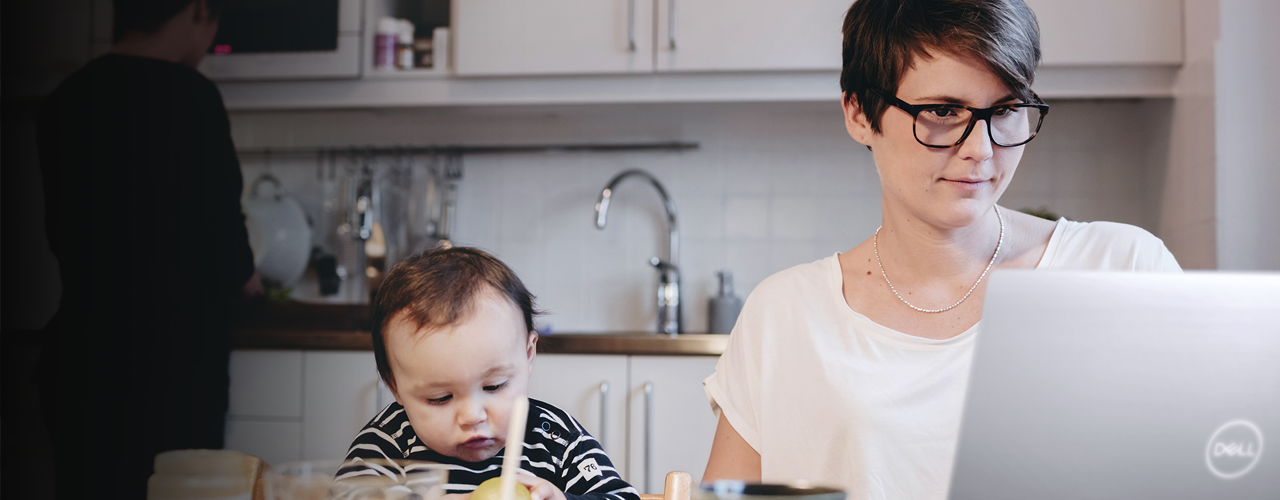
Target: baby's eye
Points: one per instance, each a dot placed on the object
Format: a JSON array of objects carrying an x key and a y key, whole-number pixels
[
  {"x": 439, "y": 401},
  {"x": 495, "y": 388}
]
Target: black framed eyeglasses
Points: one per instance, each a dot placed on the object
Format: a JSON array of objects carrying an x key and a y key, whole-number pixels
[{"x": 948, "y": 125}]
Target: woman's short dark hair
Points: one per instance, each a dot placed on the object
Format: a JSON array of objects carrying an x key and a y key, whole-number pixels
[
  {"x": 882, "y": 37},
  {"x": 147, "y": 16},
  {"x": 438, "y": 288}
]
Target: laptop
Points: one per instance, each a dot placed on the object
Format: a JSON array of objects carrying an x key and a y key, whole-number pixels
[{"x": 1102, "y": 385}]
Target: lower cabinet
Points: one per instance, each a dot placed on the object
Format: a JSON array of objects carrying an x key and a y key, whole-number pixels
[
  {"x": 649, "y": 412},
  {"x": 288, "y": 405}
]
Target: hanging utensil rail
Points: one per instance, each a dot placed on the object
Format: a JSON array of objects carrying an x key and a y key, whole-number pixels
[{"x": 454, "y": 150}]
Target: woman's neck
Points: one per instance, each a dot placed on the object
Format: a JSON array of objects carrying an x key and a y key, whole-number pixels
[{"x": 917, "y": 250}]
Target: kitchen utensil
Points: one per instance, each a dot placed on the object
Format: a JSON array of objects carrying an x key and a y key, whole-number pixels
[
  {"x": 515, "y": 448},
  {"x": 279, "y": 233},
  {"x": 739, "y": 490},
  {"x": 356, "y": 479}
]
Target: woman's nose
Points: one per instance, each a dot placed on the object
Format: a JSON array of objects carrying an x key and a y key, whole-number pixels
[{"x": 978, "y": 145}]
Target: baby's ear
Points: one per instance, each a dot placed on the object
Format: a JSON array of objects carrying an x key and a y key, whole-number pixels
[{"x": 531, "y": 349}]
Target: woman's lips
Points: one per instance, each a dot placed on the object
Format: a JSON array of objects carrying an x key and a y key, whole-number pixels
[
  {"x": 477, "y": 442},
  {"x": 966, "y": 184}
]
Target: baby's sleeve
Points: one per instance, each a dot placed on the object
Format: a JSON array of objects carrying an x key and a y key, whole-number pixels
[{"x": 588, "y": 474}]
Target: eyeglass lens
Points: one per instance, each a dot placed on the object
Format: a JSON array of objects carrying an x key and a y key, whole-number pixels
[{"x": 944, "y": 126}]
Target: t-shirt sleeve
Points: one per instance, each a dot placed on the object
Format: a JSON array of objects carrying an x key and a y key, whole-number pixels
[
  {"x": 1111, "y": 246},
  {"x": 587, "y": 472},
  {"x": 734, "y": 388}
]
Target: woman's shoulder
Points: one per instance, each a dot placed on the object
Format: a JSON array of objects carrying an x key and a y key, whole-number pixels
[
  {"x": 804, "y": 279},
  {"x": 1109, "y": 246}
]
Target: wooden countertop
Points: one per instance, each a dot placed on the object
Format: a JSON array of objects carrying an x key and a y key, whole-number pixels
[
  {"x": 346, "y": 327},
  {"x": 689, "y": 344}
]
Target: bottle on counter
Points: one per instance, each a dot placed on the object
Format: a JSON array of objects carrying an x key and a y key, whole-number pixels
[
  {"x": 384, "y": 50},
  {"x": 723, "y": 308},
  {"x": 404, "y": 45}
]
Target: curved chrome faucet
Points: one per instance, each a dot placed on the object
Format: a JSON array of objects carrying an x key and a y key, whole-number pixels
[{"x": 669, "y": 309}]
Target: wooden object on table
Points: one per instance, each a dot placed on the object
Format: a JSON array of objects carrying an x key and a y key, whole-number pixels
[
  {"x": 678, "y": 487},
  {"x": 257, "y": 468}
]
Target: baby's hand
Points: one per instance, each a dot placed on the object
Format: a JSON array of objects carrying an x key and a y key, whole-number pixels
[{"x": 539, "y": 488}]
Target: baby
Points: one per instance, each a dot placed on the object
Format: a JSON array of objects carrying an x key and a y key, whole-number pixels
[{"x": 454, "y": 341}]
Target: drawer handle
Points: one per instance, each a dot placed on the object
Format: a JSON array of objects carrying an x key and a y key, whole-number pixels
[
  {"x": 604, "y": 411},
  {"x": 671, "y": 23},
  {"x": 631, "y": 25},
  {"x": 648, "y": 433}
]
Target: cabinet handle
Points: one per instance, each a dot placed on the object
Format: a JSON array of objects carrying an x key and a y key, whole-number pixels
[
  {"x": 604, "y": 411},
  {"x": 648, "y": 433},
  {"x": 631, "y": 25},
  {"x": 671, "y": 23}
]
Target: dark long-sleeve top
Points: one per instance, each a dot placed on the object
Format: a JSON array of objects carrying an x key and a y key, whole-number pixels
[
  {"x": 556, "y": 448},
  {"x": 142, "y": 198}
]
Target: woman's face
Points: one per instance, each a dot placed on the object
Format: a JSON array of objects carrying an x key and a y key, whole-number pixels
[{"x": 948, "y": 188}]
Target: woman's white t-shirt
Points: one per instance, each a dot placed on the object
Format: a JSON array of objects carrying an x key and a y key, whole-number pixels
[{"x": 827, "y": 396}]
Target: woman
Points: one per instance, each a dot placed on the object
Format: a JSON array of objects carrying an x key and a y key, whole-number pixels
[{"x": 851, "y": 370}]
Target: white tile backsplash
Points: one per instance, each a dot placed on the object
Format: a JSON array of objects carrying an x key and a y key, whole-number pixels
[{"x": 772, "y": 185}]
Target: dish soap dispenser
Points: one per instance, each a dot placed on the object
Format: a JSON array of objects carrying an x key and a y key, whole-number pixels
[{"x": 723, "y": 309}]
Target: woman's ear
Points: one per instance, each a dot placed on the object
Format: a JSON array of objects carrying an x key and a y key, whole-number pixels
[{"x": 855, "y": 121}]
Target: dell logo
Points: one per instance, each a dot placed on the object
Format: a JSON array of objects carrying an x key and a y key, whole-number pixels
[{"x": 1233, "y": 449}]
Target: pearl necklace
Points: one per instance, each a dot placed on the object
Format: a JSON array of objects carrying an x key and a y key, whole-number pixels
[{"x": 875, "y": 245}]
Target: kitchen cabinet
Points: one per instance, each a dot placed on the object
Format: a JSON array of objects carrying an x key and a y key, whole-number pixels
[
  {"x": 749, "y": 35},
  {"x": 654, "y": 413},
  {"x": 1109, "y": 33},
  {"x": 288, "y": 405},
  {"x": 545, "y": 37}
]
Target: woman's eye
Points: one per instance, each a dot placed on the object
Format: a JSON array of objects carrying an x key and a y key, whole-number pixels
[
  {"x": 439, "y": 401},
  {"x": 943, "y": 112},
  {"x": 1005, "y": 110},
  {"x": 495, "y": 388}
]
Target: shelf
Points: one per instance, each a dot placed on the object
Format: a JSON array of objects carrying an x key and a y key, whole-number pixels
[{"x": 423, "y": 89}]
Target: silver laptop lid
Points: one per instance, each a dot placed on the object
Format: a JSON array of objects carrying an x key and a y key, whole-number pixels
[{"x": 1124, "y": 385}]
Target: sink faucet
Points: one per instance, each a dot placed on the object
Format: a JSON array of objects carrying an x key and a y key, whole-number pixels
[{"x": 669, "y": 310}]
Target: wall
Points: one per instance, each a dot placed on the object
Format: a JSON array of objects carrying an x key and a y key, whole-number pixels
[
  {"x": 1246, "y": 78},
  {"x": 772, "y": 186},
  {"x": 1188, "y": 223}
]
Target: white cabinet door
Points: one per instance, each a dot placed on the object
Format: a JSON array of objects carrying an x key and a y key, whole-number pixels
[
  {"x": 748, "y": 35},
  {"x": 339, "y": 396},
  {"x": 533, "y": 37},
  {"x": 276, "y": 442},
  {"x": 672, "y": 426},
  {"x": 264, "y": 417},
  {"x": 1107, "y": 32},
  {"x": 592, "y": 388},
  {"x": 265, "y": 383}
]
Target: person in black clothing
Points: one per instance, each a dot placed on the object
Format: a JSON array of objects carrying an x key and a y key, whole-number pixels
[{"x": 142, "y": 190}]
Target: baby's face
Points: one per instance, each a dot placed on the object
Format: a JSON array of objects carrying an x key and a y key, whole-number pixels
[{"x": 457, "y": 383}]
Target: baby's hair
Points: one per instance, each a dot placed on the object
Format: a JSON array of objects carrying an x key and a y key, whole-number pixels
[{"x": 438, "y": 288}]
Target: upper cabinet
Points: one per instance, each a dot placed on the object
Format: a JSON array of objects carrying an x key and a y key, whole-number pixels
[
  {"x": 1109, "y": 33},
  {"x": 549, "y": 37},
  {"x": 519, "y": 52},
  {"x": 749, "y": 35}
]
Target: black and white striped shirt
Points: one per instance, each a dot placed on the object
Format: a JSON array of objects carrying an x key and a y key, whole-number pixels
[{"x": 556, "y": 448}]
